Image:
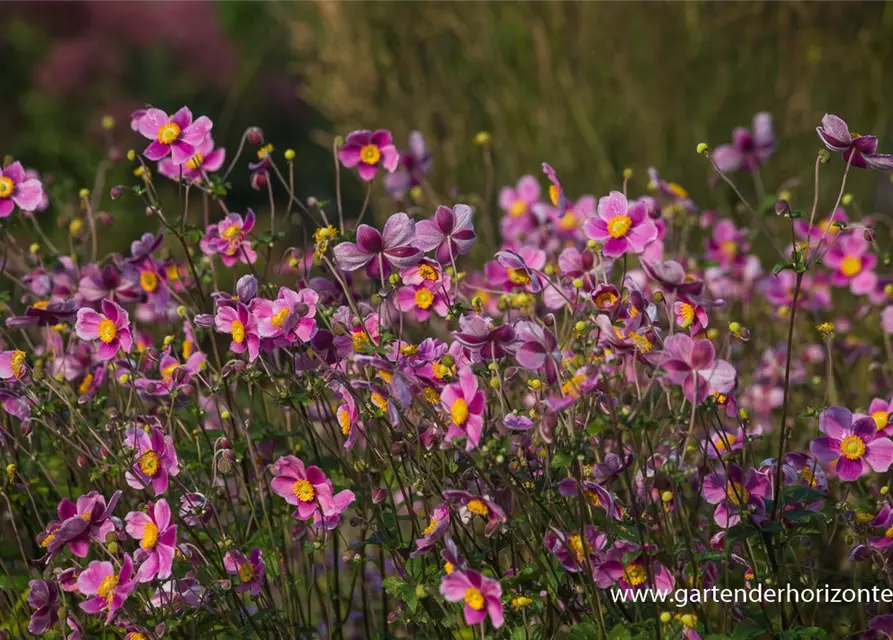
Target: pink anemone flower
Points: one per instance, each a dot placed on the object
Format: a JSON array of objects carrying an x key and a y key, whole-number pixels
[
  {"x": 155, "y": 459},
  {"x": 158, "y": 540},
  {"x": 482, "y": 596},
  {"x": 108, "y": 588},
  {"x": 251, "y": 570},
  {"x": 622, "y": 227},
  {"x": 693, "y": 364},
  {"x": 367, "y": 151},
  {"x": 111, "y": 328},
  {"x": 465, "y": 404},
  {"x": 177, "y": 135},
  {"x": 852, "y": 447},
  {"x": 17, "y": 189}
]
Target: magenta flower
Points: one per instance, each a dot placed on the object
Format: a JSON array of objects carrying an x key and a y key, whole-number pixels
[
  {"x": 348, "y": 416},
  {"x": 380, "y": 251},
  {"x": 111, "y": 328},
  {"x": 483, "y": 340},
  {"x": 538, "y": 349},
  {"x": 110, "y": 282},
  {"x": 620, "y": 226},
  {"x": 13, "y": 364},
  {"x": 43, "y": 597},
  {"x": 108, "y": 588},
  {"x": 241, "y": 324},
  {"x": 518, "y": 201},
  {"x": 880, "y": 411},
  {"x": 437, "y": 527},
  {"x": 174, "y": 376},
  {"x": 368, "y": 151},
  {"x": 177, "y": 135},
  {"x": 573, "y": 550},
  {"x": 158, "y": 540},
  {"x": 853, "y": 264},
  {"x": 632, "y": 571},
  {"x": 252, "y": 571},
  {"x": 229, "y": 239},
  {"x": 17, "y": 189},
  {"x": 309, "y": 490},
  {"x": 474, "y": 505},
  {"x": 465, "y": 403},
  {"x": 693, "y": 364},
  {"x": 516, "y": 269},
  {"x": 748, "y": 150},
  {"x": 421, "y": 300},
  {"x": 851, "y": 447},
  {"x": 735, "y": 492},
  {"x": 155, "y": 459},
  {"x": 883, "y": 520},
  {"x": 415, "y": 163},
  {"x": 690, "y": 315},
  {"x": 671, "y": 276},
  {"x": 858, "y": 150},
  {"x": 206, "y": 160},
  {"x": 450, "y": 233},
  {"x": 482, "y": 596},
  {"x": 879, "y": 627},
  {"x": 79, "y": 523},
  {"x": 292, "y": 315},
  {"x": 727, "y": 245}
]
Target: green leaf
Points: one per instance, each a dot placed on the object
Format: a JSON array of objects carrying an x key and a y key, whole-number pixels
[
  {"x": 587, "y": 631},
  {"x": 561, "y": 460}
]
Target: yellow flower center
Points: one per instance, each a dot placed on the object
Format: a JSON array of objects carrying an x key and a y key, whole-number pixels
[
  {"x": 635, "y": 574},
  {"x": 474, "y": 598},
  {"x": 370, "y": 154},
  {"x": 187, "y": 348},
  {"x": 568, "y": 221},
  {"x": 593, "y": 498},
  {"x": 518, "y": 276},
  {"x": 642, "y": 343},
  {"x": 520, "y": 602},
  {"x": 246, "y": 572},
  {"x": 730, "y": 248},
  {"x": 107, "y": 587},
  {"x": 576, "y": 546},
  {"x": 459, "y": 411},
  {"x": 344, "y": 420},
  {"x": 677, "y": 190},
  {"x": 430, "y": 395},
  {"x": 430, "y": 526},
  {"x": 359, "y": 340},
  {"x": 379, "y": 401},
  {"x": 41, "y": 304},
  {"x": 238, "y": 331},
  {"x": 231, "y": 232},
  {"x": 518, "y": 209},
  {"x": 136, "y": 635},
  {"x": 478, "y": 507},
  {"x": 424, "y": 298},
  {"x": 46, "y": 541},
  {"x": 279, "y": 317},
  {"x": 554, "y": 194},
  {"x": 605, "y": 299},
  {"x": 737, "y": 494},
  {"x": 427, "y": 272},
  {"x": 148, "y": 281},
  {"x": 448, "y": 567},
  {"x": 809, "y": 477},
  {"x": 17, "y": 362},
  {"x": 387, "y": 376},
  {"x": 619, "y": 225},
  {"x": 888, "y": 533},
  {"x": 167, "y": 373},
  {"x": 688, "y": 314},
  {"x": 721, "y": 442},
  {"x": 303, "y": 490},
  {"x": 107, "y": 330},
  {"x": 408, "y": 350},
  {"x": 195, "y": 162},
  {"x": 149, "y": 463},
  {"x": 173, "y": 272},
  {"x": 850, "y": 266},
  {"x": 852, "y": 447},
  {"x": 880, "y": 419},
  {"x": 264, "y": 151},
  {"x": 442, "y": 371},
  {"x": 7, "y": 186},
  {"x": 168, "y": 133},
  {"x": 150, "y": 536},
  {"x": 572, "y": 387}
]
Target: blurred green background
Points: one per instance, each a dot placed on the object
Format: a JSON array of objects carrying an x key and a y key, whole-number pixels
[{"x": 590, "y": 87}]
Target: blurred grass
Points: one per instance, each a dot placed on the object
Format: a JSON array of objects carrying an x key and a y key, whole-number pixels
[{"x": 596, "y": 87}]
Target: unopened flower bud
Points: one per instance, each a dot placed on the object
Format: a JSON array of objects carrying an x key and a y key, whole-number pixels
[
  {"x": 701, "y": 148},
  {"x": 868, "y": 234},
  {"x": 254, "y": 135},
  {"x": 289, "y": 154},
  {"x": 665, "y": 617},
  {"x": 824, "y": 156},
  {"x": 627, "y": 173},
  {"x": 482, "y": 138},
  {"x": 116, "y": 191},
  {"x": 782, "y": 207},
  {"x": 734, "y": 327},
  {"x": 131, "y": 155},
  {"x": 847, "y": 199},
  {"x": 658, "y": 296}
]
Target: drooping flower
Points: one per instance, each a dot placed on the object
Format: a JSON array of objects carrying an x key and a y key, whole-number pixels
[
  {"x": 483, "y": 340},
  {"x": 17, "y": 189},
  {"x": 852, "y": 447},
  {"x": 109, "y": 588},
  {"x": 43, "y": 597},
  {"x": 449, "y": 234},
  {"x": 113, "y": 282},
  {"x": 241, "y": 324},
  {"x": 177, "y": 135},
  {"x": 206, "y": 160},
  {"x": 620, "y": 226},
  {"x": 229, "y": 239},
  {"x": 13, "y": 364},
  {"x": 481, "y": 595},
  {"x": 573, "y": 550},
  {"x": 252, "y": 570},
  {"x": 693, "y": 364},
  {"x": 158, "y": 539},
  {"x": 858, "y": 150},
  {"x": 437, "y": 527},
  {"x": 155, "y": 459},
  {"x": 378, "y": 252},
  {"x": 367, "y": 151},
  {"x": 733, "y": 492},
  {"x": 79, "y": 523},
  {"x": 853, "y": 264},
  {"x": 111, "y": 328},
  {"x": 749, "y": 149},
  {"x": 538, "y": 349},
  {"x": 465, "y": 404}
]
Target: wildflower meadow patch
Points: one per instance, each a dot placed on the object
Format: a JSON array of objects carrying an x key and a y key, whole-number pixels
[{"x": 631, "y": 416}]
